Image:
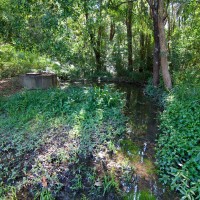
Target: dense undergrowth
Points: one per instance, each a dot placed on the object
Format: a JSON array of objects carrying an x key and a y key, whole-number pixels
[
  {"x": 178, "y": 149},
  {"x": 55, "y": 143},
  {"x": 14, "y": 62}
]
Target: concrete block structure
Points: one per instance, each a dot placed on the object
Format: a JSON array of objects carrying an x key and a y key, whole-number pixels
[{"x": 33, "y": 81}]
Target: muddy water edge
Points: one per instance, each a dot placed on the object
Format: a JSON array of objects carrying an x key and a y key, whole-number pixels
[
  {"x": 142, "y": 132},
  {"x": 139, "y": 142}
]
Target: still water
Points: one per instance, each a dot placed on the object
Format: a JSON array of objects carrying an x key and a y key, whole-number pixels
[
  {"x": 142, "y": 130},
  {"x": 141, "y": 134}
]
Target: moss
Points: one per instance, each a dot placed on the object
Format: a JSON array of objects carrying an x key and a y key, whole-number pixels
[
  {"x": 129, "y": 147},
  {"x": 146, "y": 195},
  {"x": 143, "y": 195},
  {"x": 149, "y": 166}
]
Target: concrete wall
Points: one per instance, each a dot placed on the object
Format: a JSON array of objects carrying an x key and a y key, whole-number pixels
[{"x": 39, "y": 81}]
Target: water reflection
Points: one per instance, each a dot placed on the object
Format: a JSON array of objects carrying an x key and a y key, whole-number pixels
[
  {"x": 142, "y": 130},
  {"x": 139, "y": 144},
  {"x": 142, "y": 113}
]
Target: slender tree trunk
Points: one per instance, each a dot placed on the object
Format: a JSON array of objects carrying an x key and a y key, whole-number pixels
[
  {"x": 148, "y": 52},
  {"x": 98, "y": 50},
  {"x": 156, "y": 53},
  {"x": 169, "y": 32},
  {"x": 129, "y": 35},
  {"x": 98, "y": 60},
  {"x": 173, "y": 22},
  {"x": 163, "y": 47},
  {"x": 96, "y": 43},
  {"x": 112, "y": 30},
  {"x": 98, "y": 53},
  {"x": 142, "y": 51}
]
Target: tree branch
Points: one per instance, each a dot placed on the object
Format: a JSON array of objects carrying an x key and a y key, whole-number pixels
[
  {"x": 150, "y": 4},
  {"x": 124, "y": 3}
]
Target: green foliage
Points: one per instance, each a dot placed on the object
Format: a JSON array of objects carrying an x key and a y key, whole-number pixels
[
  {"x": 146, "y": 195},
  {"x": 185, "y": 40},
  {"x": 109, "y": 183},
  {"x": 87, "y": 117},
  {"x": 188, "y": 77},
  {"x": 45, "y": 194},
  {"x": 156, "y": 93},
  {"x": 76, "y": 32},
  {"x": 178, "y": 145},
  {"x": 7, "y": 192},
  {"x": 143, "y": 195},
  {"x": 14, "y": 62},
  {"x": 129, "y": 148}
]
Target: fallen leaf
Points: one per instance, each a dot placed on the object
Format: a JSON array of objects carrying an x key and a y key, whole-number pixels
[{"x": 44, "y": 181}]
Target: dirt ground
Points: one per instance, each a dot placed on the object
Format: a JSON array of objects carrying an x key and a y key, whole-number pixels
[{"x": 9, "y": 86}]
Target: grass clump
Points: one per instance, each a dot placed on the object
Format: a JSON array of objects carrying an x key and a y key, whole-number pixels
[
  {"x": 56, "y": 135},
  {"x": 44, "y": 195}
]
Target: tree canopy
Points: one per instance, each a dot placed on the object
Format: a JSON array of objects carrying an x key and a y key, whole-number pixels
[{"x": 100, "y": 36}]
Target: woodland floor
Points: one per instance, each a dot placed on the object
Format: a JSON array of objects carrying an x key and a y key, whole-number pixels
[{"x": 72, "y": 144}]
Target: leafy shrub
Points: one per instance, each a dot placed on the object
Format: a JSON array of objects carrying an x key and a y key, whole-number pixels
[
  {"x": 178, "y": 150},
  {"x": 156, "y": 93},
  {"x": 188, "y": 76},
  {"x": 14, "y": 62}
]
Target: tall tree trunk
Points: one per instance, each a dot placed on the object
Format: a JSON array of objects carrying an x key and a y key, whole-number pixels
[
  {"x": 169, "y": 19},
  {"x": 163, "y": 47},
  {"x": 142, "y": 52},
  {"x": 129, "y": 35},
  {"x": 98, "y": 53},
  {"x": 148, "y": 52},
  {"x": 156, "y": 53},
  {"x": 95, "y": 43},
  {"x": 112, "y": 30},
  {"x": 98, "y": 50}
]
